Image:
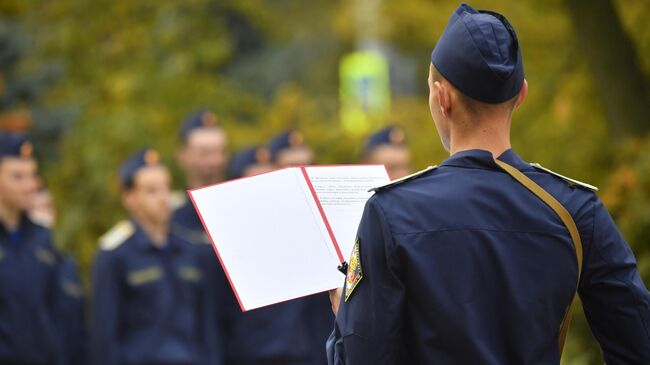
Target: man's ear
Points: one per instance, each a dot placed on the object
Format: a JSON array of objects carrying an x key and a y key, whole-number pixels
[
  {"x": 444, "y": 99},
  {"x": 522, "y": 94}
]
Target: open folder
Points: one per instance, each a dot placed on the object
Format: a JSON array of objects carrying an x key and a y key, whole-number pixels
[{"x": 281, "y": 235}]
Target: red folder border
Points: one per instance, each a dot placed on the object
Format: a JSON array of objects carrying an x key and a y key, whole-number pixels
[{"x": 316, "y": 200}]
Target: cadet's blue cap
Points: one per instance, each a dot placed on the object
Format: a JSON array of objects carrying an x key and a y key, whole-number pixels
[
  {"x": 244, "y": 158},
  {"x": 479, "y": 54},
  {"x": 283, "y": 141},
  {"x": 391, "y": 135},
  {"x": 15, "y": 145},
  {"x": 138, "y": 160},
  {"x": 198, "y": 119}
]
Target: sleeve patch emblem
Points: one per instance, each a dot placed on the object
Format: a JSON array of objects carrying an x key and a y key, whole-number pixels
[{"x": 355, "y": 274}]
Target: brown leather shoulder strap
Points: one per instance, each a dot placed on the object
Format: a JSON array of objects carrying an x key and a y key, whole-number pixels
[{"x": 571, "y": 227}]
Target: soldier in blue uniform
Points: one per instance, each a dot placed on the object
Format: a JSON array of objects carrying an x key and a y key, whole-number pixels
[
  {"x": 203, "y": 156},
  {"x": 388, "y": 147},
  {"x": 149, "y": 302},
  {"x": 70, "y": 303},
  {"x": 289, "y": 333},
  {"x": 478, "y": 261},
  {"x": 28, "y": 264}
]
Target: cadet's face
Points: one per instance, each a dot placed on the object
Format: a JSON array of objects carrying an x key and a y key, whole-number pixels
[
  {"x": 18, "y": 182},
  {"x": 204, "y": 155},
  {"x": 295, "y": 156},
  {"x": 397, "y": 160},
  {"x": 441, "y": 122},
  {"x": 149, "y": 198}
]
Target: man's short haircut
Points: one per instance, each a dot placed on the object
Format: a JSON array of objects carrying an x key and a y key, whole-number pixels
[{"x": 471, "y": 105}]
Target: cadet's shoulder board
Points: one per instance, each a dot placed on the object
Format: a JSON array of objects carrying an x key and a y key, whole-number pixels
[
  {"x": 355, "y": 273},
  {"x": 569, "y": 180},
  {"x": 403, "y": 179},
  {"x": 116, "y": 235}
]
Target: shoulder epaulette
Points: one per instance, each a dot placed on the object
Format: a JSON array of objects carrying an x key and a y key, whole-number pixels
[
  {"x": 569, "y": 180},
  {"x": 116, "y": 235},
  {"x": 402, "y": 179},
  {"x": 178, "y": 199}
]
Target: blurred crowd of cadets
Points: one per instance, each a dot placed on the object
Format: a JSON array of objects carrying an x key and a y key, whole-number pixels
[{"x": 119, "y": 72}]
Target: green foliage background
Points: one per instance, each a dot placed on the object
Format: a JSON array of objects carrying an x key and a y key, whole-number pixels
[{"x": 130, "y": 71}]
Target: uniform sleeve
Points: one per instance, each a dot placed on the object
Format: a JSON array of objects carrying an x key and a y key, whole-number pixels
[
  {"x": 615, "y": 300},
  {"x": 368, "y": 328},
  {"x": 106, "y": 309}
]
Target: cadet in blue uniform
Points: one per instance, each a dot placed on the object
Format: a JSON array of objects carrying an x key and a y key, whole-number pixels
[
  {"x": 203, "y": 157},
  {"x": 70, "y": 296},
  {"x": 477, "y": 261},
  {"x": 149, "y": 305},
  {"x": 290, "y": 333},
  {"x": 387, "y": 147},
  {"x": 28, "y": 264}
]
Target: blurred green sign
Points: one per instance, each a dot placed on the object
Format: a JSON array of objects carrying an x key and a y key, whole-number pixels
[{"x": 364, "y": 91}]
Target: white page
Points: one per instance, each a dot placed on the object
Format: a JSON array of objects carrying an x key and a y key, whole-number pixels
[
  {"x": 270, "y": 237},
  {"x": 343, "y": 191}
]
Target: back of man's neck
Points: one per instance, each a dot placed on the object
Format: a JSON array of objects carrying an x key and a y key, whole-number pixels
[{"x": 489, "y": 136}]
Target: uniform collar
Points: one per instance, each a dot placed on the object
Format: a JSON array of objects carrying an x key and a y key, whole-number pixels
[
  {"x": 481, "y": 159},
  {"x": 145, "y": 243},
  {"x": 24, "y": 225}
]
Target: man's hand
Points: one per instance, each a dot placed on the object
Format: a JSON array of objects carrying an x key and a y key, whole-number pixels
[{"x": 335, "y": 299}]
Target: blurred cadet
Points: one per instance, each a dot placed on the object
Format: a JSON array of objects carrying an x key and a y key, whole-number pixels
[
  {"x": 250, "y": 161},
  {"x": 70, "y": 304},
  {"x": 203, "y": 153},
  {"x": 477, "y": 261},
  {"x": 28, "y": 264},
  {"x": 149, "y": 301},
  {"x": 388, "y": 147},
  {"x": 289, "y": 333},
  {"x": 289, "y": 149},
  {"x": 203, "y": 157}
]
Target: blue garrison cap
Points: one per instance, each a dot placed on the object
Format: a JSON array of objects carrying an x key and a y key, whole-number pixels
[
  {"x": 244, "y": 158},
  {"x": 391, "y": 135},
  {"x": 142, "y": 158},
  {"x": 15, "y": 145},
  {"x": 198, "y": 119},
  {"x": 479, "y": 54},
  {"x": 283, "y": 141}
]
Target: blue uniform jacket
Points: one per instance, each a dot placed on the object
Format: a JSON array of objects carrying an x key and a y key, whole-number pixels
[
  {"x": 290, "y": 333},
  {"x": 149, "y": 305},
  {"x": 71, "y": 312},
  {"x": 463, "y": 265},
  {"x": 28, "y": 284}
]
